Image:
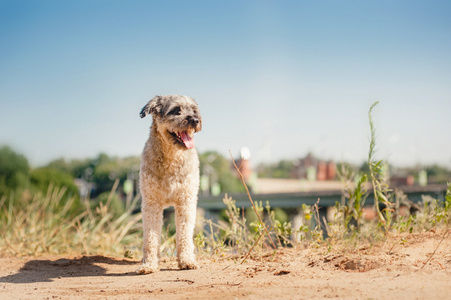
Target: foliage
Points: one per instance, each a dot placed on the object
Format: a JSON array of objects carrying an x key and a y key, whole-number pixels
[
  {"x": 14, "y": 170},
  {"x": 437, "y": 174},
  {"x": 102, "y": 170},
  {"x": 378, "y": 178},
  {"x": 48, "y": 226},
  {"x": 44, "y": 221},
  {"x": 218, "y": 168},
  {"x": 354, "y": 200},
  {"x": 41, "y": 178},
  {"x": 281, "y": 169},
  {"x": 239, "y": 235},
  {"x": 75, "y": 167}
]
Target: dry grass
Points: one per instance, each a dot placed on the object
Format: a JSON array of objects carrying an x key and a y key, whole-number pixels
[{"x": 46, "y": 225}]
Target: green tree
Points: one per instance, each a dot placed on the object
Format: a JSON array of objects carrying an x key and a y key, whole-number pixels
[
  {"x": 219, "y": 169},
  {"x": 14, "y": 170},
  {"x": 41, "y": 178},
  {"x": 108, "y": 169},
  {"x": 438, "y": 174},
  {"x": 102, "y": 170},
  {"x": 282, "y": 169}
]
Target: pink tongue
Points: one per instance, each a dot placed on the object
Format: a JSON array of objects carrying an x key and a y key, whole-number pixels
[{"x": 187, "y": 140}]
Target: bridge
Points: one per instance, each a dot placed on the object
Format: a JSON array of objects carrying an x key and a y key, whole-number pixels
[
  {"x": 327, "y": 198},
  {"x": 292, "y": 202}
]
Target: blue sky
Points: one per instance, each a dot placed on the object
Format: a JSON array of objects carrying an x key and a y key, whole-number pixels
[{"x": 280, "y": 77}]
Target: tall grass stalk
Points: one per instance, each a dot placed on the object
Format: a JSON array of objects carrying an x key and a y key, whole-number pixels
[
  {"x": 47, "y": 226},
  {"x": 380, "y": 187}
]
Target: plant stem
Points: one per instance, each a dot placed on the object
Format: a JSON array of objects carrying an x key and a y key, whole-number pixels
[
  {"x": 250, "y": 198},
  {"x": 370, "y": 163}
]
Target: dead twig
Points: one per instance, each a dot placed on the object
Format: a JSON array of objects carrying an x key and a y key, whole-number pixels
[
  {"x": 252, "y": 248},
  {"x": 213, "y": 284},
  {"x": 181, "y": 280},
  {"x": 315, "y": 208},
  {"x": 436, "y": 248},
  {"x": 250, "y": 198}
]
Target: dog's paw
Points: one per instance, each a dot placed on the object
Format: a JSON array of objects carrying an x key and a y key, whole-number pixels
[
  {"x": 147, "y": 269},
  {"x": 187, "y": 265}
]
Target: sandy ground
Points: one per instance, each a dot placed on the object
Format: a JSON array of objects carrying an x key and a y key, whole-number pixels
[{"x": 290, "y": 274}]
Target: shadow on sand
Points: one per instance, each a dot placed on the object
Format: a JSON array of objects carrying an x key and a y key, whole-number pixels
[{"x": 47, "y": 270}]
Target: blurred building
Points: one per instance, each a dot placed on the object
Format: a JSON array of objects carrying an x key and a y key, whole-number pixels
[
  {"x": 312, "y": 168},
  {"x": 396, "y": 181},
  {"x": 244, "y": 164}
]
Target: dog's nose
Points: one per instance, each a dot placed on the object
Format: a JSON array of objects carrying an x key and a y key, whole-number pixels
[{"x": 193, "y": 120}]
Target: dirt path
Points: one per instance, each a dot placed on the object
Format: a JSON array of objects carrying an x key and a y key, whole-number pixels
[{"x": 294, "y": 274}]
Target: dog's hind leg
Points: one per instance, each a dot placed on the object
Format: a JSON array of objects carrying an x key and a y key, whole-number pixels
[
  {"x": 185, "y": 219},
  {"x": 152, "y": 223}
]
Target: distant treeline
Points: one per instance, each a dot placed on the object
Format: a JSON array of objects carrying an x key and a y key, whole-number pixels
[{"x": 99, "y": 173}]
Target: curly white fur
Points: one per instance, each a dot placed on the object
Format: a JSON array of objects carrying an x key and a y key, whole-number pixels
[{"x": 169, "y": 176}]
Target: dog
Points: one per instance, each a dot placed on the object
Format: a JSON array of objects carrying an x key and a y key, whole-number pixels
[{"x": 169, "y": 176}]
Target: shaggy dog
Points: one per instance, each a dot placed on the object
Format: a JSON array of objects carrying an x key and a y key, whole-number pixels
[{"x": 169, "y": 176}]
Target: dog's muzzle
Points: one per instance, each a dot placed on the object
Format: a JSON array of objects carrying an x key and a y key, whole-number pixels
[
  {"x": 183, "y": 138},
  {"x": 193, "y": 121}
]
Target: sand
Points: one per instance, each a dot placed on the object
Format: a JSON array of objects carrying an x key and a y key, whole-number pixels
[{"x": 402, "y": 271}]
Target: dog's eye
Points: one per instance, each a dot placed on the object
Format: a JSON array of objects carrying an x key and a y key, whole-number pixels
[{"x": 174, "y": 111}]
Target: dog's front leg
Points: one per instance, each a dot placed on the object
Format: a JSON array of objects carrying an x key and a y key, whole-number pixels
[
  {"x": 185, "y": 219},
  {"x": 152, "y": 223}
]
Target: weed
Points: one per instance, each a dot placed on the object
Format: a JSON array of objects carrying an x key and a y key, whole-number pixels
[
  {"x": 46, "y": 223},
  {"x": 378, "y": 178}
]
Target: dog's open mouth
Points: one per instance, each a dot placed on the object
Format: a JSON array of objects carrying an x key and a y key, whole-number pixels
[{"x": 184, "y": 138}]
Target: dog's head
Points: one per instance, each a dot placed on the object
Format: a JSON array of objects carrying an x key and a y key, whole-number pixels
[{"x": 177, "y": 118}]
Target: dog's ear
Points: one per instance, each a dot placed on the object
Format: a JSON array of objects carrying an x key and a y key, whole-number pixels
[{"x": 152, "y": 107}]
